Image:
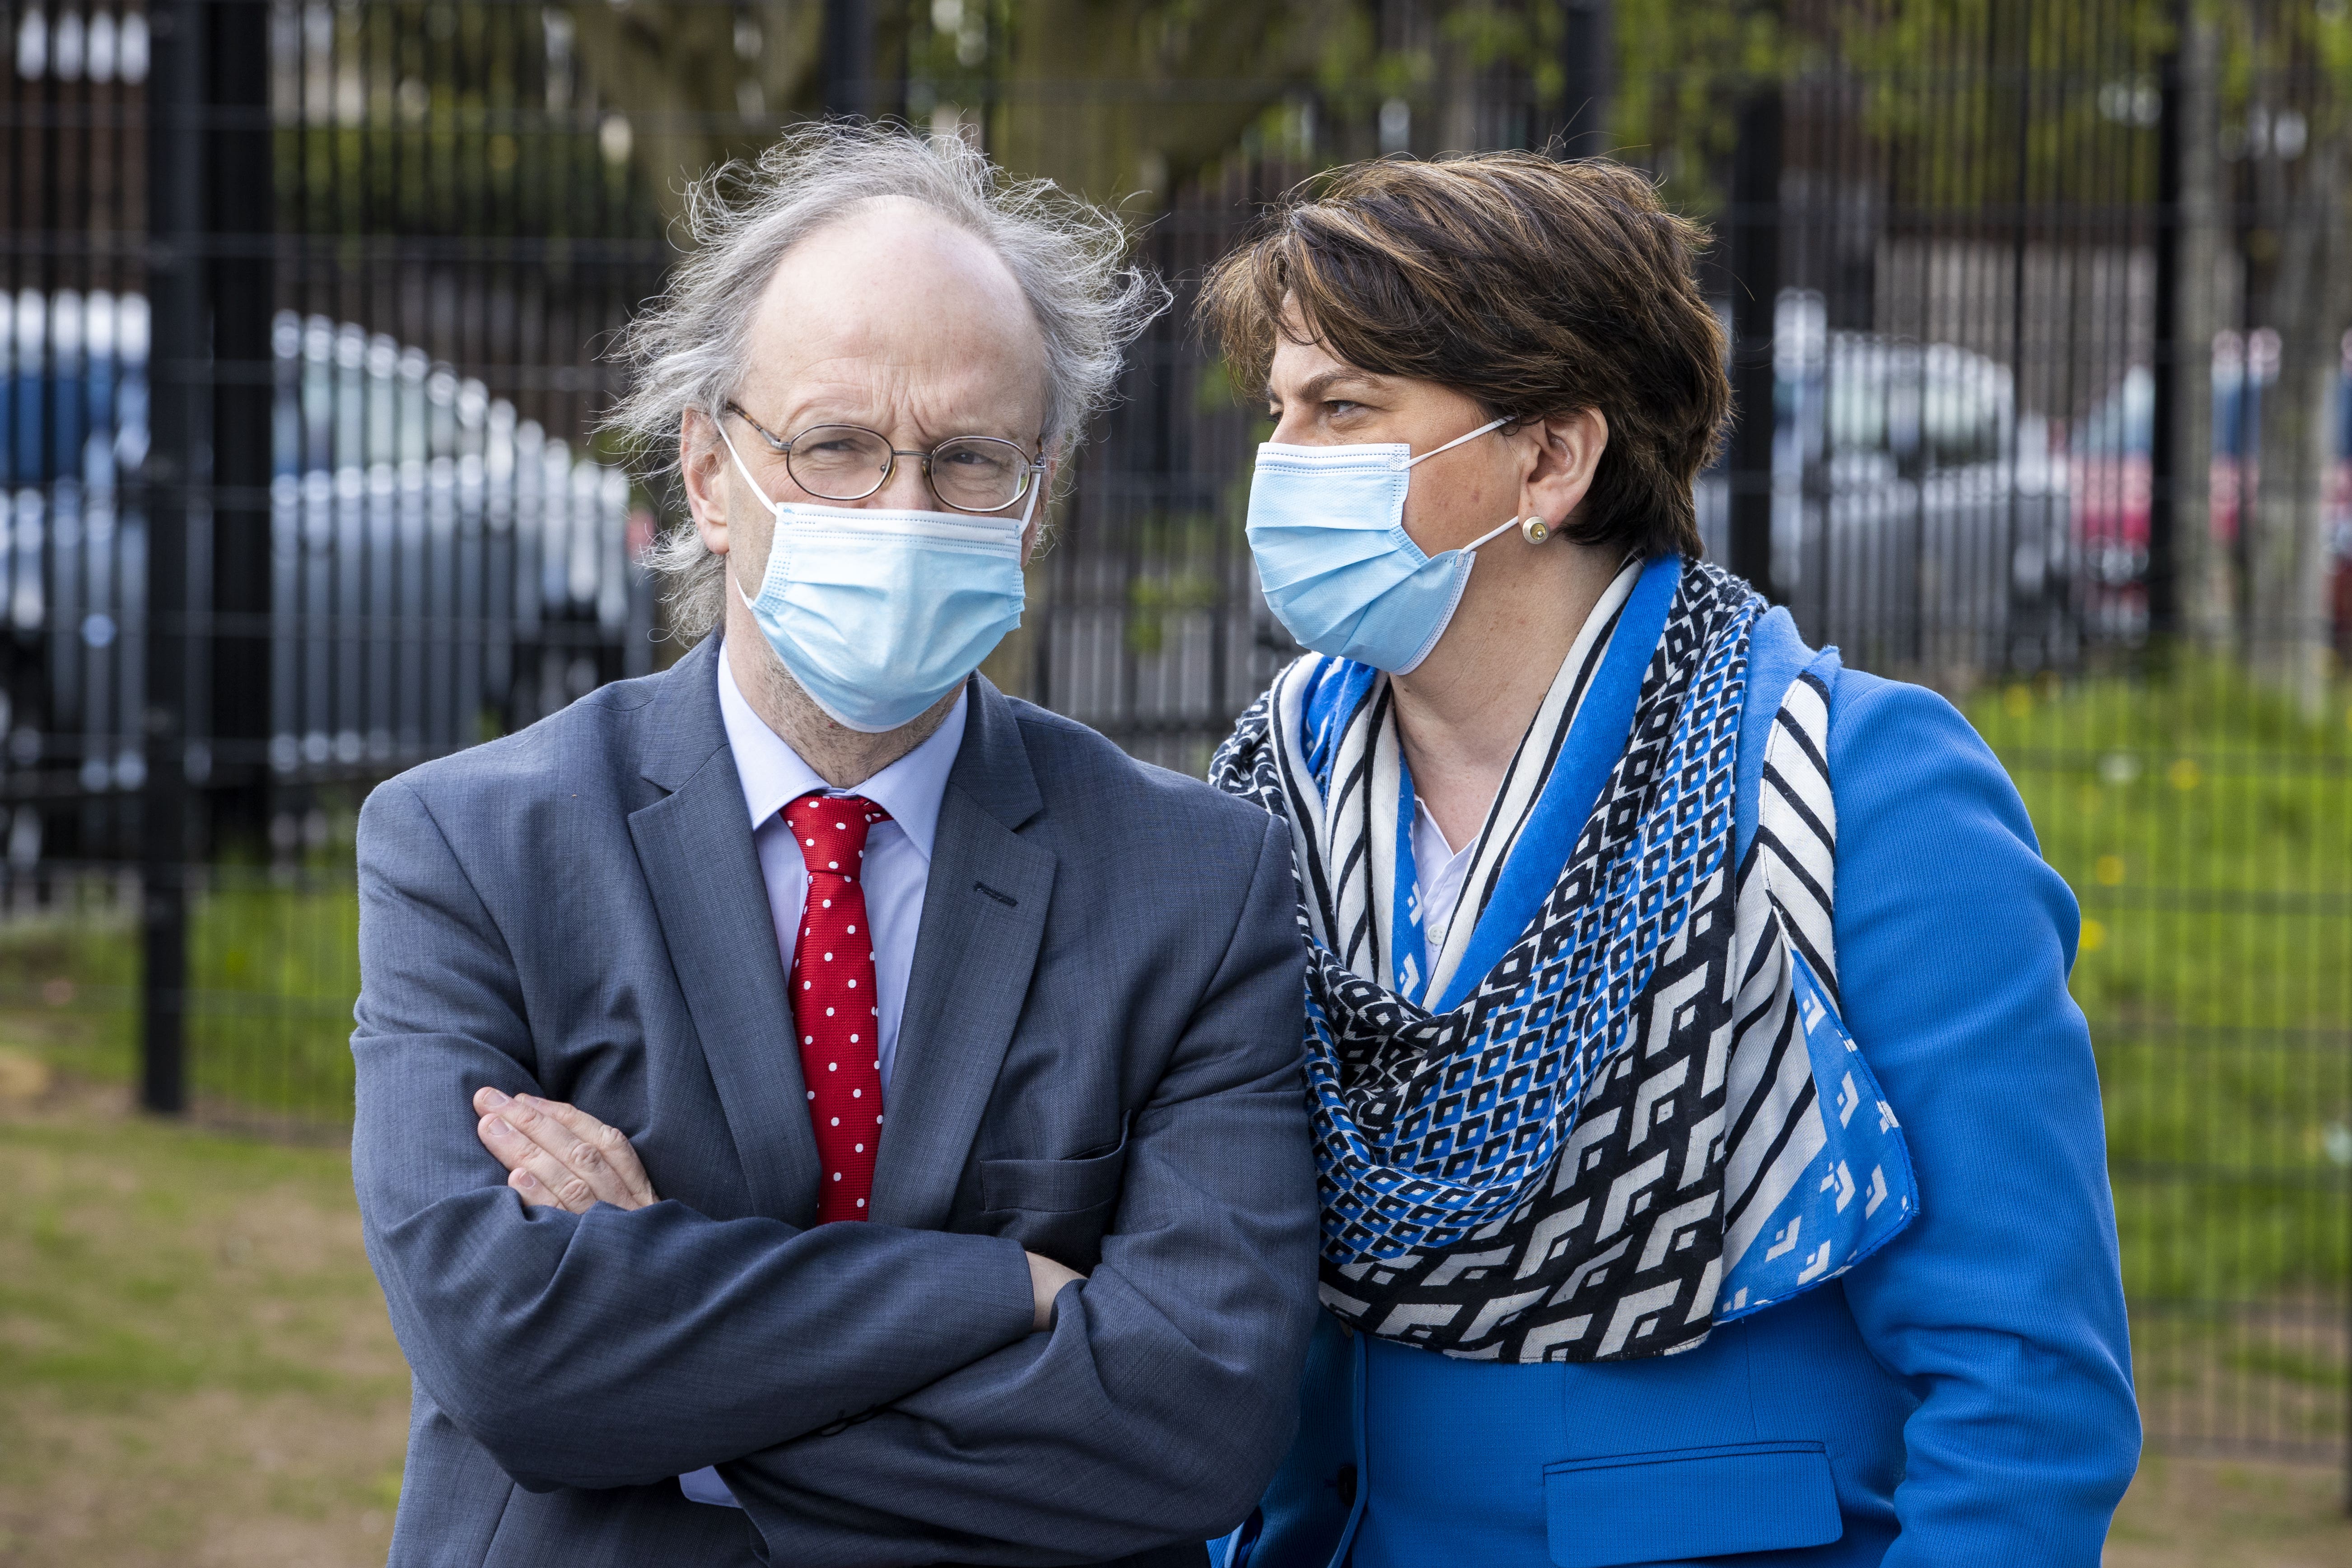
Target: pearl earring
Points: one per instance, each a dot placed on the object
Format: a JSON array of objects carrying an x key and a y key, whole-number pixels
[{"x": 1535, "y": 530}]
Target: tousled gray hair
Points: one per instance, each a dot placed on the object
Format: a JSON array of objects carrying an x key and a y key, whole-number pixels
[{"x": 688, "y": 350}]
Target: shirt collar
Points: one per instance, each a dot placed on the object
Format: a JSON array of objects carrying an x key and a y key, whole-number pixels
[{"x": 773, "y": 775}]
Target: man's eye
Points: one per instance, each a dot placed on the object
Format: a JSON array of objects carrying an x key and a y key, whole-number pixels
[{"x": 1339, "y": 408}]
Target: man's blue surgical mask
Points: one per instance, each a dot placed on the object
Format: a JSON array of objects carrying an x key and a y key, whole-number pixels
[
  {"x": 1326, "y": 526},
  {"x": 880, "y": 613}
]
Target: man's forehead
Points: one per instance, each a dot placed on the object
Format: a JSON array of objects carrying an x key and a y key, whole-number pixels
[
  {"x": 894, "y": 300},
  {"x": 882, "y": 260}
]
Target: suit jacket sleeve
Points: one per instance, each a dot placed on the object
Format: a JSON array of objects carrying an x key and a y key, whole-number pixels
[
  {"x": 2002, "y": 1306},
  {"x": 1163, "y": 1396},
  {"x": 612, "y": 1348}
]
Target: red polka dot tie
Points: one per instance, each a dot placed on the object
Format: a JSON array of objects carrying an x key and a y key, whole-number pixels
[{"x": 836, "y": 1010}]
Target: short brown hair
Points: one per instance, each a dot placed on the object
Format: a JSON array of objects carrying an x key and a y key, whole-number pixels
[{"x": 1537, "y": 287}]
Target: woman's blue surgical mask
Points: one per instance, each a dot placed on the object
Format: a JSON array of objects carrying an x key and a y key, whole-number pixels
[
  {"x": 1327, "y": 525},
  {"x": 880, "y": 613}
]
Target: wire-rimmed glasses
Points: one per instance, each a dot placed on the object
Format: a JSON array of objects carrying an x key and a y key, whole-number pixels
[{"x": 849, "y": 462}]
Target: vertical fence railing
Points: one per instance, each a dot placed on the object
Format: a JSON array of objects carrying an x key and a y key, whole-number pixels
[{"x": 1960, "y": 285}]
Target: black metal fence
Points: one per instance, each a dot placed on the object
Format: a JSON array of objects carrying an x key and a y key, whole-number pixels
[{"x": 2034, "y": 316}]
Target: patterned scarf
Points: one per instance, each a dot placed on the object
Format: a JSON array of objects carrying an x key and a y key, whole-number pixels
[{"x": 1619, "y": 1106}]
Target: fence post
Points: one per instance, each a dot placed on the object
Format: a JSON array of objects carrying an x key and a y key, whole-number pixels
[
  {"x": 175, "y": 475},
  {"x": 1755, "y": 266},
  {"x": 1584, "y": 61},
  {"x": 848, "y": 59},
  {"x": 229, "y": 722}
]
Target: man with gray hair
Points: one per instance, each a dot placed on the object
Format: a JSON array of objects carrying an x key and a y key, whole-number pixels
[{"x": 887, "y": 1140}]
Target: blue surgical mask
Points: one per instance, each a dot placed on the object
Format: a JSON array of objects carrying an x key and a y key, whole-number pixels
[
  {"x": 1327, "y": 525},
  {"x": 880, "y": 613}
]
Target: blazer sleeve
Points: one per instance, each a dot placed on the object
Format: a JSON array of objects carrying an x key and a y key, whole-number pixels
[
  {"x": 1160, "y": 1401},
  {"x": 2003, "y": 1308},
  {"x": 612, "y": 1348}
]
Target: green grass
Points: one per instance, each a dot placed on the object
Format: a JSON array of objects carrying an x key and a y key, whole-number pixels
[
  {"x": 2206, "y": 828},
  {"x": 195, "y": 1362}
]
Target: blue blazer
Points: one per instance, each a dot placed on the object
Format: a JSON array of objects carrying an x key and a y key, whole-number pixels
[
  {"x": 1962, "y": 1397},
  {"x": 1099, "y": 1063}
]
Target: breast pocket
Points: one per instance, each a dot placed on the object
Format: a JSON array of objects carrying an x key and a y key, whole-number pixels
[
  {"x": 1691, "y": 1502},
  {"x": 1057, "y": 1208}
]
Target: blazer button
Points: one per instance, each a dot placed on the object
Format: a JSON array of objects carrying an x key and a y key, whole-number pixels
[{"x": 1344, "y": 1483}]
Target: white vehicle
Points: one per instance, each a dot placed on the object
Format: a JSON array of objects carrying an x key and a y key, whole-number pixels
[{"x": 1918, "y": 520}]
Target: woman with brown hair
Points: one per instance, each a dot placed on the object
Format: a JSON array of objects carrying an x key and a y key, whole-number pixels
[{"x": 1711, "y": 1155}]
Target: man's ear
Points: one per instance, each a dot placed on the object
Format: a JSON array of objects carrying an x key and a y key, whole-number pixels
[
  {"x": 1565, "y": 453},
  {"x": 700, "y": 456}
]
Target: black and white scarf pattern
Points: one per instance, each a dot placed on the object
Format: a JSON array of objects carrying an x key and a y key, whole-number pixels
[{"x": 1644, "y": 1118}]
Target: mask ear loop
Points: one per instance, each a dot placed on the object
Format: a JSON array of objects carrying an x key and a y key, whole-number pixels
[
  {"x": 1490, "y": 424},
  {"x": 1533, "y": 529},
  {"x": 1029, "y": 508},
  {"x": 719, "y": 425}
]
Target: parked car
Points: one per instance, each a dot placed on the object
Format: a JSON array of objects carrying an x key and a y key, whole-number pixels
[{"x": 1919, "y": 519}]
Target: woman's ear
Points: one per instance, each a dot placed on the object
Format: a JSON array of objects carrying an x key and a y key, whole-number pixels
[
  {"x": 1565, "y": 454},
  {"x": 698, "y": 465}
]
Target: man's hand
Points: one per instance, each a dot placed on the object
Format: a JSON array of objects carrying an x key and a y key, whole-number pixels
[
  {"x": 559, "y": 1156},
  {"x": 1046, "y": 1279}
]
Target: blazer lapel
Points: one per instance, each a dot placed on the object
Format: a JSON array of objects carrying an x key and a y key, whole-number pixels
[
  {"x": 984, "y": 916},
  {"x": 695, "y": 849}
]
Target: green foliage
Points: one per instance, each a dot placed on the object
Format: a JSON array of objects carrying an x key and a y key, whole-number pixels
[
  {"x": 1153, "y": 599},
  {"x": 1682, "y": 68}
]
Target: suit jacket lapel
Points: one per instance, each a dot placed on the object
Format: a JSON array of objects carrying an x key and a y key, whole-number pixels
[
  {"x": 694, "y": 847},
  {"x": 983, "y": 915}
]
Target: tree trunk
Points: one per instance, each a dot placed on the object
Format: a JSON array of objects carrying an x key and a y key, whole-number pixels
[
  {"x": 2287, "y": 639},
  {"x": 2202, "y": 588}
]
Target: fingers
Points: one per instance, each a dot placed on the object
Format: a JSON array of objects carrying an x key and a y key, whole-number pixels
[
  {"x": 533, "y": 1193},
  {"x": 529, "y": 1138},
  {"x": 608, "y": 1143},
  {"x": 538, "y": 1177}
]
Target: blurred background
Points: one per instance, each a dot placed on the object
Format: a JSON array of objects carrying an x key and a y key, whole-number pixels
[{"x": 2038, "y": 313}]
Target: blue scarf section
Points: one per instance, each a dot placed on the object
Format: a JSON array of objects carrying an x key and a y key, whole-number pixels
[
  {"x": 1338, "y": 690},
  {"x": 1725, "y": 1148}
]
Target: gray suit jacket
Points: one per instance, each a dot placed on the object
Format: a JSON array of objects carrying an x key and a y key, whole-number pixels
[{"x": 1099, "y": 1061}]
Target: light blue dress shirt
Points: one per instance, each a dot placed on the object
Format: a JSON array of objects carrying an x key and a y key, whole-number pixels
[{"x": 897, "y": 868}]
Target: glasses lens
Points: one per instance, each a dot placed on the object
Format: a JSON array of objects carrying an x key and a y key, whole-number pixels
[
  {"x": 979, "y": 473},
  {"x": 839, "y": 462}
]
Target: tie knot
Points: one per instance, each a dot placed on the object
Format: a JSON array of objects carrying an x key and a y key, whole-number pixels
[{"x": 831, "y": 831}]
